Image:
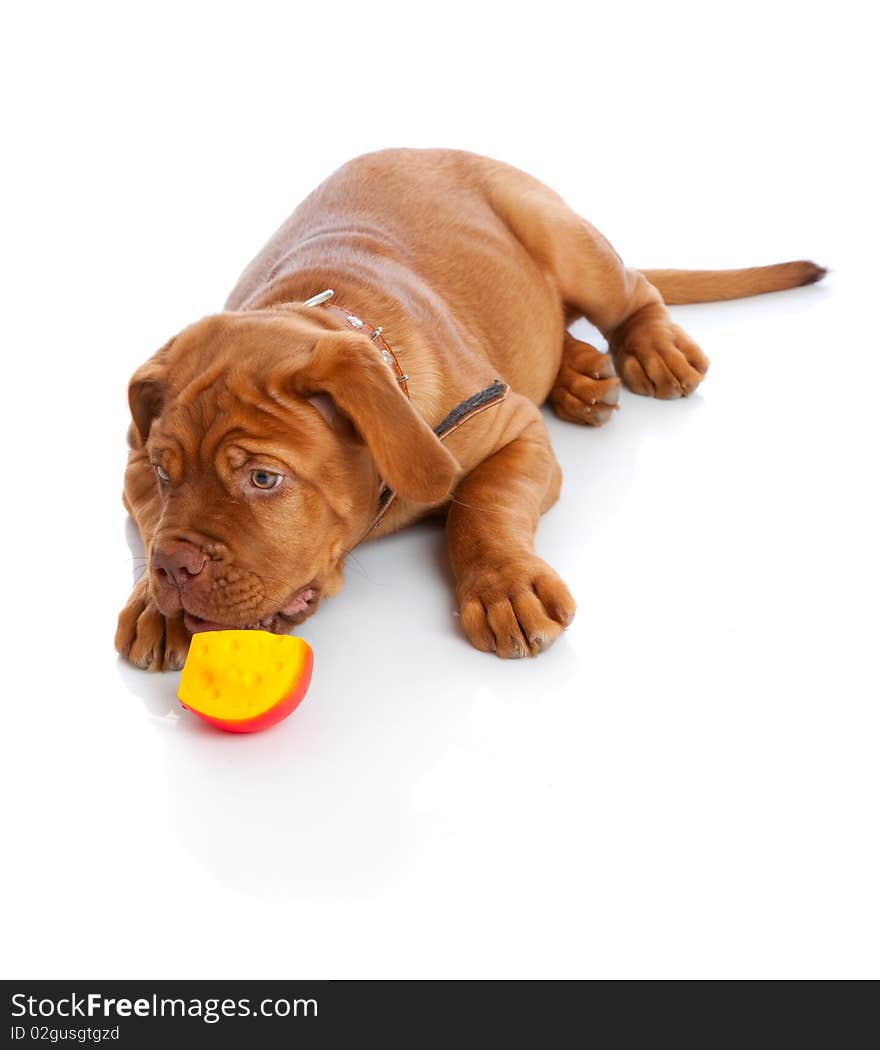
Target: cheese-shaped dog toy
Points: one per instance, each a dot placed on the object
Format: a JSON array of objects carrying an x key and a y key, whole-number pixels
[{"x": 242, "y": 681}]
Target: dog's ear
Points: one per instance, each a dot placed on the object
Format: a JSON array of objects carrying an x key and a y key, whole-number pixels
[
  {"x": 412, "y": 461},
  {"x": 146, "y": 391}
]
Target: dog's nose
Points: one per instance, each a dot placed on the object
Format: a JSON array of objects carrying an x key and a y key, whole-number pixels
[{"x": 178, "y": 561}]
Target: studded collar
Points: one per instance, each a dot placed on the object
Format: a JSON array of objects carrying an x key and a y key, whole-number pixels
[
  {"x": 487, "y": 398},
  {"x": 359, "y": 325}
]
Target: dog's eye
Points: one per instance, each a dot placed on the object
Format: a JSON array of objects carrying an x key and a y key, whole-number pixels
[
  {"x": 264, "y": 479},
  {"x": 163, "y": 474}
]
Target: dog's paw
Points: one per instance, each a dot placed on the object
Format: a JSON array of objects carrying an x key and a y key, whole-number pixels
[
  {"x": 516, "y": 609},
  {"x": 586, "y": 389},
  {"x": 656, "y": 358},
  {"x": 148, "y": 639}
]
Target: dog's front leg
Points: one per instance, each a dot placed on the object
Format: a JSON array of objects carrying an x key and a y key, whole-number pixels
[
  {"x": 511, "y": 602},
  {"x": 144, "y": 636}
]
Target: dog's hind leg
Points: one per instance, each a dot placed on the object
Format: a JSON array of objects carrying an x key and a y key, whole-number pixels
[
  {"x": 586, "y": 389},
  {"x": 652, "y": 355}
]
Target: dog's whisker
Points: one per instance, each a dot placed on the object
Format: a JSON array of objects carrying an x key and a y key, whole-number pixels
[
  {"x": 468, "y": 506},
  {"x": 358, "y": 565}
]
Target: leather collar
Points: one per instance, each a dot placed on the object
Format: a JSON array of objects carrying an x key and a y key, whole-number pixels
[
  {"x": 465, "y": 410},
  {"x": 388, "y": 355}
]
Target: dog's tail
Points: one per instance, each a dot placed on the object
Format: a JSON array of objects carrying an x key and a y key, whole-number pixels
[{"x": 709, "y": 286}]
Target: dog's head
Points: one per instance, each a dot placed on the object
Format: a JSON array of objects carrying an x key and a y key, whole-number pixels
[{"x": 268, "y": 433}]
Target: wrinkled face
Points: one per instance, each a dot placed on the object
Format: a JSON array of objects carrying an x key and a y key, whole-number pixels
[
  {"x": 258, "y": 509},
  {"x": 266, "y": 437}
]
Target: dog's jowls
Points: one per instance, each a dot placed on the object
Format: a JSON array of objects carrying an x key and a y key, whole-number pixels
[{"x": 261, "y": 436}]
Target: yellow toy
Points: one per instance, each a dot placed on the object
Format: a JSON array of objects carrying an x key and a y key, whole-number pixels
[{"x": 242, "y": 681}]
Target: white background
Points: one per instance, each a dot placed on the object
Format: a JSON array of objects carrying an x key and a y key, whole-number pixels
[{"x": 687, "y": 784}]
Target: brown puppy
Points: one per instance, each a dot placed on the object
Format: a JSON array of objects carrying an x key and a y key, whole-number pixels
[{"x": 264, "y": 437}]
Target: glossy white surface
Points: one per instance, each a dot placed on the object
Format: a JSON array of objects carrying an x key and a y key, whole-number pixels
[{"x": 687, "y": 784}]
